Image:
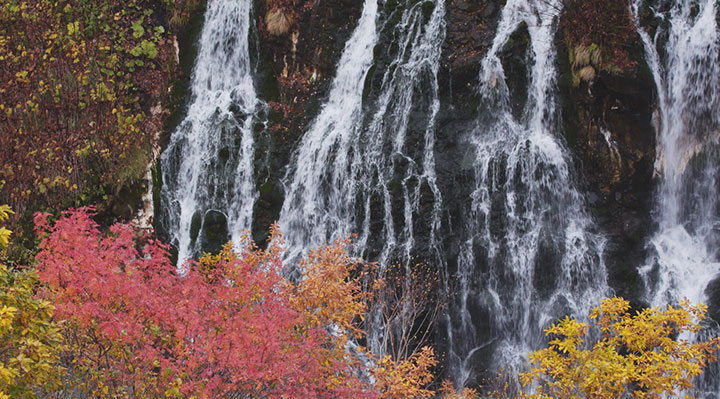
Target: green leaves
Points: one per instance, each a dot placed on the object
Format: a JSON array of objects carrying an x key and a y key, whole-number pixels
[
  {"x": 145, "y": 48},
  {"x": 73, "y": 28},
  {"x": 137, "y": 28}
]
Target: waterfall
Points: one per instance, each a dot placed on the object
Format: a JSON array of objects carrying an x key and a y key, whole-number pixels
[
  {"x": 208, "y": 188},
  {"x": 354, "y": 171},
  {"x": 687, "y": 76},
  {"x": 529, "y": 255},
  {"x": 684, "y": 57}
]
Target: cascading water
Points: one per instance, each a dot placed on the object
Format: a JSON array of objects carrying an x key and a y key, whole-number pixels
[
  {"x": 529, "y": 256},
  {"x": 318, "y": 203},
  {"x": 354, "y": 171},
  {"x": 687, "y": 76},
  {"x": 208, "y": 188},
  {"x": 368, "y": 167},
  {"x": 684, "y": 57}
]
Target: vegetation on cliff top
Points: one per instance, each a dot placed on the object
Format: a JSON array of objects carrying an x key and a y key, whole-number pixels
[
  {"x": 83, "y": 96},
  {"x": 600, "y": 35}
]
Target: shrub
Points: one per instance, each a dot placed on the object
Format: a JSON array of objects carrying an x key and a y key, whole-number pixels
[
  {"x": 228, "y": 324},
  {"x": 138, "y": 329},
  {"x": 645, "y": 355},
  {"x": 29, "y": 340}
]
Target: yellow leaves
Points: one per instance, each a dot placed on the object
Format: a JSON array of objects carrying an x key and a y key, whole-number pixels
[
  {"x": 22, "y": 77},
  {"x": 7, "y": 314},
  {"x": 635, "y": 354},
  {"x": 5, "y": 212},
  {"x": 326, "y": 295},
  {"x": 73, "y": 28},
  {"x": 29, "y": 341},
  {"x": 405, "y": 379}
]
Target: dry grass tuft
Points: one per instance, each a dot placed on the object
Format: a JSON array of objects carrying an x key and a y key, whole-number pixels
[
  {"x": 278, "y": 21},
  {"x": 582, "y": 56},
  {"x": 587, "y": 74},
  {"x": 596, "y": 57}
]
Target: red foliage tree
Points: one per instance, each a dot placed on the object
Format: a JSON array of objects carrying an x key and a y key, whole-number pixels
[{"x": 136, "y": 328}]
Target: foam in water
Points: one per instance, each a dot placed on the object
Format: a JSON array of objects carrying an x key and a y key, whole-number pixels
[
  {"x": 528, "y": 256},
  {"x": 208, "y": 165},
  {"x": 686, "y": 69}
]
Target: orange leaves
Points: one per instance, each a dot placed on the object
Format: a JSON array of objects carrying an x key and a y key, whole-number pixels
[
  {"x": 326, "y": 295},
  {"x": 405, "y": 379},
  {"x": 229, "y": 323},
  {"x": 647, "y": 354}
]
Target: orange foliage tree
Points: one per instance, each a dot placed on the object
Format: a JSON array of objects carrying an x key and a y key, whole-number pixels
[{"x": 136, "y": 328}]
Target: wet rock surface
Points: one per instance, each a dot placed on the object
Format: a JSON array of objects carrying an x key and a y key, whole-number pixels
[
  {"x": 293, "y": 75},
  {"x": 470, "y": 31},
  {"x": 607, "y": 120}
]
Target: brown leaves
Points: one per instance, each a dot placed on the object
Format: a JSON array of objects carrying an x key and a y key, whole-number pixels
[{"x": 605, "y": 24}]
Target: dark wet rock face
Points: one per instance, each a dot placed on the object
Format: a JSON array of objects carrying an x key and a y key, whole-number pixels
[
  {"x": 607, "y": 118},
  {"x": 514, "y": 57},
  {"x": 713, "y": 294},
  {"x": 470, "y": 31},
  {"x": 214, "y": 231},
  {"x": 294, "y": 71},
  {"x": 471, "y": 26},
  {"x": 296, "y": 66}
]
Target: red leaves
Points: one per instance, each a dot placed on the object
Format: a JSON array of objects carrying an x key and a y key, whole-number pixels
[{"x": 224, "y": 326}]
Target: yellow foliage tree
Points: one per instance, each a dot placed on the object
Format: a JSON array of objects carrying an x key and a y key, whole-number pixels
[
  {"x": 405, "y": 379},
  {"x": 29, "y": 340},
  {"x": 645, "y": 355}
]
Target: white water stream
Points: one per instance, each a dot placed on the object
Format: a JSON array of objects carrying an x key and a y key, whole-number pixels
[
  {"x": 529, "y": 256},
  {"x": 354, "y": 163},
  {"x": 208, "y": 165},
  {"x": 684, "y": 57},
  {"x": 687, "y": 77}
]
